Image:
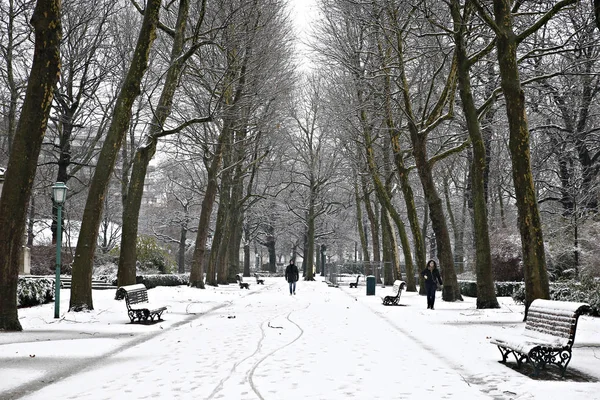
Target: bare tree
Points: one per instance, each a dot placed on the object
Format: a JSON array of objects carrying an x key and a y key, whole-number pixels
[
  {"x": 486, "y": 290},
  {"x": 22, "y": 165},
  {"x": 507, "y": 43},
  {"x": 81, "y": 291},
  {"x": 16, "y": 55}
]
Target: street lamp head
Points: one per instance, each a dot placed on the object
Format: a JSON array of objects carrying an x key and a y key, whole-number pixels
[{"x": 59, "y": 192}]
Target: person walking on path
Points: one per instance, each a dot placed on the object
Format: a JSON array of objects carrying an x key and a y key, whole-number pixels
[
  {"x": 432, "y": 277},
  {"x": 291, "y": 275}
]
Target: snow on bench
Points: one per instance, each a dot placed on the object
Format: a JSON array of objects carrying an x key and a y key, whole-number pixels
[
  {"x": 548, "y": 337},
  {"x": 138, "y": 306}
]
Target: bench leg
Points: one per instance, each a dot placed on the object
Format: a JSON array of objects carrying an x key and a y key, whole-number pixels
[
  {"x": 157, "y": 315},
  {"x": 541, "y": 357},
  {"x": 505, "y": 353}
]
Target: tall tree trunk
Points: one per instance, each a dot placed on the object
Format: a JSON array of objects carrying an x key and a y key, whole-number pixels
[
  {"x": 216, "y": 271},
  {"x": 451, "y": 290},
  {"x": 391, "y": 266},
  {"x": 424, "y": 227},
  {"x": 359, "y": 220},
  {"x": 402, "y": 172},
  {"x": 81, "y": 290},
  {"x": 456, "y": 229},
  {"x": 532, "y": 240},
  {"x": 310, "y": 252},
  {"x": 486, "y": 290},
  {"x": 418, "y": 130},
  {"x": 271, "y": 241},
  {"x": 373, "y": 221},
  {"x": 135, "y": 190},
  {"x": 386, "y": 241},
  {"x": 64, "y": 157},
  {"x": 31, "y": 222},
  {"x": 198, "y": 261},
  {"x": 235, "y": 205},
  {"x": 181, "y": 250},
  {"x": 247, "y": 252},
  {"x": 234, "y": 86},
  {"x": 13, "y": 86},
  {"x": 25, "y": 150}
]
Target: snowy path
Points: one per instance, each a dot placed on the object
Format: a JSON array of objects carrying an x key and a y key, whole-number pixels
[
  {"x": 319, "y": 344},
  {"x": 324, "y": 343}
]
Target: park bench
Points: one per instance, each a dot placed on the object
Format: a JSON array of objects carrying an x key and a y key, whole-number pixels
[
  {"x": 138, "y": 307},
  {"x": 240, "y": 279},
  {"x": 259, "y": 280},
  {"x": 394, "y": 299},
  {"x": 548, "y": 337},
  {"x": 354, "y": 284}
]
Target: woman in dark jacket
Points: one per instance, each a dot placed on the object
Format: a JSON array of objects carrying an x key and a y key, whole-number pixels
[{"x": 432, "y": 277}]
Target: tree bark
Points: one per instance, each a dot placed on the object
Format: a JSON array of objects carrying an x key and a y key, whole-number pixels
[
  {"x": 373, "y": 221},
  {"x": 310, "y": 252},
  {"x": 133, "y": 201},
  {"x": 197, "y": 272},
  {"x": 359, "y": 220},
  {"x": 81, "y": 290},
  {"x": 25, "y": 150},
  {"x": 409, "y": 200},
  {"x": 530, "y": 228},
  {"x": 486, "y": 290}
]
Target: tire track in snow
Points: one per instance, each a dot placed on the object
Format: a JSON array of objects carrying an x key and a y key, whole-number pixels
[
  {"x": 219, "y": 386},
  {"x": 250, "y": 376}
]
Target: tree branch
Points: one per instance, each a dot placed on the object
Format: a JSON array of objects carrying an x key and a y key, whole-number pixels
[
  {"x": 183, "y": 126},
  {"x": 543, "y": 19}
]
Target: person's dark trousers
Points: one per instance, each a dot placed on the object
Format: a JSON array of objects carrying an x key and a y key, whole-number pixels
[{"x": 430, "y": 295}]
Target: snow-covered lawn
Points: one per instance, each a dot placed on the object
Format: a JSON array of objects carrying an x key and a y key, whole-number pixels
[{"x": 262, "y": 343}]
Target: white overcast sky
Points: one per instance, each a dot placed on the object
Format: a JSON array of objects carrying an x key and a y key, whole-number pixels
[{"x": 302, "y": 13}]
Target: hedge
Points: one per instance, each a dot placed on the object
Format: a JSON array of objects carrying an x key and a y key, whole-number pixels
[
  {"x": 585, "y": 291},
  {"x": 34, "y": 291}
]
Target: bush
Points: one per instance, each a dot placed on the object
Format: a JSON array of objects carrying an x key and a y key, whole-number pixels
[
  {"x": 43, "y": 260},
  {"x": 152, "y": 281},
  {"x": 150, "y": 256},
  {"x": 585, "y": 291},
  {"x": 507, "y": 269},
  {"x": 468, "y": 288},
  {"x": 562, "y": 266},
  {"x": 506, "y": 259},
  {"x": 32, "y": 292},
  {"x": 503, "y": 289}
]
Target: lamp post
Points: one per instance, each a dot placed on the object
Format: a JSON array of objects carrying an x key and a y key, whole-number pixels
[{"x": 59, "y": 194}]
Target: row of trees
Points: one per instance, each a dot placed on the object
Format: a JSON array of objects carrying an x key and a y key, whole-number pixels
[
  {"x": 254, "y": 152},
  {"x": 418, "y": 84},
  {"x": 208, "y": 78}
]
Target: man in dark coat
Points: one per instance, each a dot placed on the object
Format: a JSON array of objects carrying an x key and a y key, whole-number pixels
[
  {"x": 291, "y": 275},
  {"x": 432, "y": 277}
]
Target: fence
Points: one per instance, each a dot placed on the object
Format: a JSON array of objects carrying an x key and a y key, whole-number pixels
[{"x": 344, "y": 273}]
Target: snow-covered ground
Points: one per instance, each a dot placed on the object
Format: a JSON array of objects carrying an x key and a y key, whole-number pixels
[{"x": 262, "y": 343}]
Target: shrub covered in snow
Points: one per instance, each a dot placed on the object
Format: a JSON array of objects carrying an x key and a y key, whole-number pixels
[
  {"x": 503, "y": 289},
  {"x": 151, "y": 281},
  {"x": 31, "y": 291},
  {"x": 585, "y": 291}
]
